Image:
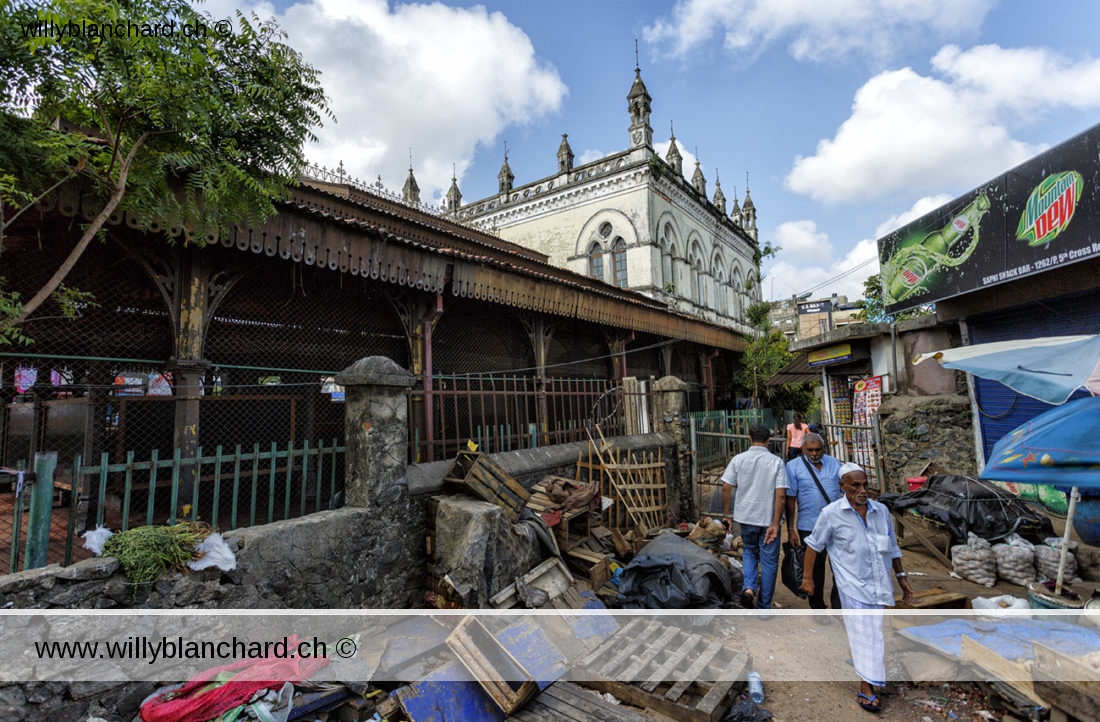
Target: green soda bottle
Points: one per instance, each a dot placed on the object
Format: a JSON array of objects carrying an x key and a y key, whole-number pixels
[{"x": 918, "y": 263}]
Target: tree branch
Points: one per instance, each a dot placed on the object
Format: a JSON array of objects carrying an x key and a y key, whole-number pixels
[{"x": 89, "y": 233}]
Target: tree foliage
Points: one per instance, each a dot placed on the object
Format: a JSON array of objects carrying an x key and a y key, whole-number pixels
[
  {"x": 767, "y": 353},
  {"x": 181, "y": 121},
  {"x": 873, "y": 307}
]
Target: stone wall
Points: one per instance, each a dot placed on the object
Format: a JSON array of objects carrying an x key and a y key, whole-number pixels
[{"x": 922, "y": 430}]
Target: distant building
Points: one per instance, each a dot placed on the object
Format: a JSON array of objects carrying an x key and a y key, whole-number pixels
[
  {"x": 634, "y": 221},
  {"x": 805, "y": 318}
]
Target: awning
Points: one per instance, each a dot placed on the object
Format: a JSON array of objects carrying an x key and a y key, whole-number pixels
[
  {"x": 808, "y": 364},
  {"x": 796, "y": 372}
]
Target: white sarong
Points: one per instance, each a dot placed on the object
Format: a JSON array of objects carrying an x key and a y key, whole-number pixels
[{"x": 865, "y": 640}]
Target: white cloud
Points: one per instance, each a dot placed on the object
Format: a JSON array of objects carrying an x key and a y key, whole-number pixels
[
  {"x": 918, "y": 134},
  {"x": 434, "y": 79},
  {"x": 796, "y": 275},
  {"x": 814, "y": 30},
  {"x": 927, "y": 204},
  {"x": 802, "y": 239}
]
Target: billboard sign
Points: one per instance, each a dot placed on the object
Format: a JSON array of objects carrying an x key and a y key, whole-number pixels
[{"x": 1043, "y": 214}]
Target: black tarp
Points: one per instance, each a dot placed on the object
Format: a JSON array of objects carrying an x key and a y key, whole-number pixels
[
  {"x": 964, "y": 504},
  {"x": 673, "y": 573}
]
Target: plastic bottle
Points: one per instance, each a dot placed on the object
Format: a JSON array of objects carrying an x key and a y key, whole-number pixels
[{"x": 756, "y": 687}]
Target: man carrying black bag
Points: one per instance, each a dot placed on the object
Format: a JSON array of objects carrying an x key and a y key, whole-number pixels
[{"x": 814, "y": 481}]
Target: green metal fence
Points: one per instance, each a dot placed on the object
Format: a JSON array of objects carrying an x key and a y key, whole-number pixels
[{"x": 226, "y": 489}]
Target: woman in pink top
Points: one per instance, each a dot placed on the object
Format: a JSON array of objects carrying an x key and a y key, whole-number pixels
[{"x": 795, "y": 432}]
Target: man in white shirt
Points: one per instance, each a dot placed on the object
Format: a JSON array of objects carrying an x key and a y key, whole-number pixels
[
  {"x": 858, "y": 534},
  {"x": 760, "y": 480}
]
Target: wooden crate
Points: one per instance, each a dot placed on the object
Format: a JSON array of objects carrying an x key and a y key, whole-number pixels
[
  {"x": 593, "y": 566},
  {"x": 575, "y": 524},
  {"x": 505, "y": 680},
  {"x": 476, "y": 474},
  {"x": 551, "y": 576},
  {"x": 663, "y": 668}
]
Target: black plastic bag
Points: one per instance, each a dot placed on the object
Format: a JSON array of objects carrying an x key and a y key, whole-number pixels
[{"x": 791, "y": 569}]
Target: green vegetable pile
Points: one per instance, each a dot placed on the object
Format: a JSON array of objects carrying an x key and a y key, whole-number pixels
[{"x": 146, "y": 551}]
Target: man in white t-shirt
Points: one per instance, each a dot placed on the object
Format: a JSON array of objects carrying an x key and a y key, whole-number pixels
[{"x": 760, "y": 480}]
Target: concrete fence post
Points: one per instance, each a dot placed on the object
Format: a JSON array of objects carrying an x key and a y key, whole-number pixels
[{"x": 377, "y": 441}]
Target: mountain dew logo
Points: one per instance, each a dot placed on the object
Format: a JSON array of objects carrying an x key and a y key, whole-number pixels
[{"x": 1050, "y": 208}]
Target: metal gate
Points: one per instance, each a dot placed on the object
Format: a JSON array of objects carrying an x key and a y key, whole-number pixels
[{"x": 717, "y": 436}]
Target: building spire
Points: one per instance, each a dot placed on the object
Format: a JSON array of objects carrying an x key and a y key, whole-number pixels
[
  {"x": 505, "y": 177},
  {"x": 639, "y": 103},
  {"x": 411, "y": 192},
  {"x": 454, "y": 195},
  {"x": 719, "y": 196},
  {"x": 697, "y": 179},
  {"x": 565, "y": 155},
  {"x": 673, "y": 157}
]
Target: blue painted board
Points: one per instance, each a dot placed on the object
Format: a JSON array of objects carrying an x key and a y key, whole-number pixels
[
  {"x": 448, "y": 694},
  {"x": 1010, "y": 638}
]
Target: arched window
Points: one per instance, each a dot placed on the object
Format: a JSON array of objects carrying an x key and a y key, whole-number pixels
[
  {"x": 618, "y": 260},
  {"x": 719, "y": 293},
  {"x": 595, "y": 261}
]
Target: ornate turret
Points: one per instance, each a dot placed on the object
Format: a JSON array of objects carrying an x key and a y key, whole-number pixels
[
  {"x": 748, "y": 212},
  {"x": 735, "y": 214},
  {"x": 673, "y": 157},
  {"x": 565, "y": 155},
  {"x": 454, "y": 195},
  {"x": 698, "y": 181},
  {"x": 638, "y": 104},
  {"x": 410, "y": 193},
  {"x": 719, "y": 196},
  {"x": 505, "y": 176}
]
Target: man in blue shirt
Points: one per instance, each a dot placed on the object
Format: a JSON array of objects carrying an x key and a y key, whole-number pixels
[
  {"x": 804, "y": 501},
  {"x": 859, "y": 536}
]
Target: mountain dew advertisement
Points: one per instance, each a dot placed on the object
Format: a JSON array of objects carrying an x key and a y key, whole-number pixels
[{"x": 1036, "y": 217}]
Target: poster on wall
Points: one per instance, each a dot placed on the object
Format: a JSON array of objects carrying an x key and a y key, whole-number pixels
[
  {"x": 1041, "y": 215},
  {"x": 866, "y": 398}
]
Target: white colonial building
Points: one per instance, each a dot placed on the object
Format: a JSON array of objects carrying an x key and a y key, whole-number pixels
[{"x": 633, "y": 220}]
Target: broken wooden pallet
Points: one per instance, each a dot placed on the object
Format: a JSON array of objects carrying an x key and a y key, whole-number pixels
[
  {"x": 566, "y": 702},
  {"x": 685, "y": 675}
]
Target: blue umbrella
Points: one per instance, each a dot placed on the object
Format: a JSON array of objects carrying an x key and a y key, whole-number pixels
[
  {"x": 1049, "y": 369},
  {"x": 1060, "y": 448}
]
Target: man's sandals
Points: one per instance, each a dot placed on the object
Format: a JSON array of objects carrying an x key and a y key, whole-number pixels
[
  {"x": 871, "y": 703},
  {"x": 748, "y": 599}
]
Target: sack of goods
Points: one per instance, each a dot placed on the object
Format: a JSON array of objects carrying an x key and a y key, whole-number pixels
[
  {"x": 1015, "y": 560},
  {"x": 975, "y": 561},
  {"x": 1049, "y": 553}
]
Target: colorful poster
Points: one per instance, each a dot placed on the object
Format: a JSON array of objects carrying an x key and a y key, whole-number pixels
[
  {"x": 866, "y": 398},
  {"x": 1040, "y": 215}
]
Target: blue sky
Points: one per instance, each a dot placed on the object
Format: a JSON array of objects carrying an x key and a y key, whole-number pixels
[{"x": 849, "y": 116}]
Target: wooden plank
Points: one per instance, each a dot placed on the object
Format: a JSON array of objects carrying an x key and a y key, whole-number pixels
[
  {"x": 907, "y": 523},
  {"x": 1066, "y": 697},
  {"x": 677, "y": 690},
  {"x": 1015, "y": 674},
  {"x": 1059, "y": 666},
  {"x": 675, "y": 659},
  {"x": 714, "y": 704},
  {"x": 567, "y": 697}
]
